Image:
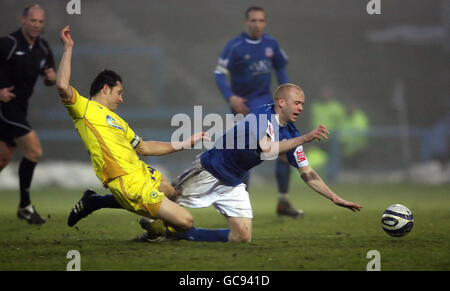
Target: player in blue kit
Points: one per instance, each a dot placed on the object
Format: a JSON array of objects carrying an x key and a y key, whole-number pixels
[
  {"x": 216, "y": 176},
  {"x": 249, "y": 60}
]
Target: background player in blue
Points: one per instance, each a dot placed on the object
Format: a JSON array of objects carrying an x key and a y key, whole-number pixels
[
  {"x": 249, "y": 60},
  {"x": 216, "y": 177}
]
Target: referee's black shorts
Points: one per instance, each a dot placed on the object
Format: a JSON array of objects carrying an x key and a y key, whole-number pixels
[{"x": 13, "y": 123}]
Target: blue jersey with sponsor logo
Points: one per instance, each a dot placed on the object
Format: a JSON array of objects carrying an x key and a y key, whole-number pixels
[
  {"x": 237, "y": 151},
  {"x": 250, "y": 63}
]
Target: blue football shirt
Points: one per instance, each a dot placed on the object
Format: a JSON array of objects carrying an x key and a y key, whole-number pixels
[
  {"x": 237, "y": 151},
  {"x": 250, "y": 63}
]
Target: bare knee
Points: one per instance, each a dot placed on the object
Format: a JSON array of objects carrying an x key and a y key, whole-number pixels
[
  {"x": 187, "y": 222},
  {"x": 34, "y": 154},
  {"x": 241, "y": 229},
  {"x": 31, "y": 146},
  {"x": 175, "y": 215},
  {"x": 240, "y": 235}
]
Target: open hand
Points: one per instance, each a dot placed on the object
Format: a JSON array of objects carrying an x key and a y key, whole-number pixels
[
  {"x": 189, "y": 143},
  {"x": 347, "y": 204},
  {"x": 319, "y": 133}
]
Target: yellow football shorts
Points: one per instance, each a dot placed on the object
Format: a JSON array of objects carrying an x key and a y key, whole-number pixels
[{"x": 138, "y": 191}]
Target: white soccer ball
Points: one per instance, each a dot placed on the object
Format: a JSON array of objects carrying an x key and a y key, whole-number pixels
[{"x": 397, "y": 220}]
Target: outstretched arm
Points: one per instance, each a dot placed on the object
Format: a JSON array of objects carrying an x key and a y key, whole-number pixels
[
  {"x": 313, "y": 180},
  {"x": 63, "y": 75},
  {"x": 158, "y": 148},
  {"x": 270, "y": 147}
]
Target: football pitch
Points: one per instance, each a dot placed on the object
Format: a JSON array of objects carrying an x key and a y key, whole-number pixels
[{"x": 327, "y": 238}]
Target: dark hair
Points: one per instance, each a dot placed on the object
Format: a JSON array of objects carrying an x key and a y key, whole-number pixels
[
  {"x": 105, "y": 77},
  {"x": 252, "y": 8}
]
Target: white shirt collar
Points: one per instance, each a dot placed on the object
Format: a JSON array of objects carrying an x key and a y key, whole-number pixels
[
  {"x": 278, "y": 121},
  {"x": 252, "y": 41}
]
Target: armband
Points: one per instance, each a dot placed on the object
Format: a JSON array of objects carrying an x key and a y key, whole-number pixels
[{"x": 135, "y": 141}]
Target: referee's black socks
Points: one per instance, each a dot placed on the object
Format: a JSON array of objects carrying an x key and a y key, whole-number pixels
[{"x": 26, "y": 170}]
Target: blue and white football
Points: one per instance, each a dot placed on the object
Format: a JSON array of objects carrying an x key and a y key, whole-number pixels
[{"x": 397, "y": 220}]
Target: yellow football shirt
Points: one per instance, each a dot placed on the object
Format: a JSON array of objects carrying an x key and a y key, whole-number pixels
[{"x": 109, "y": 140}]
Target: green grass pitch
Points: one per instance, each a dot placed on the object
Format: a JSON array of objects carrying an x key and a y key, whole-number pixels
[{"x": 327, "y": 238}]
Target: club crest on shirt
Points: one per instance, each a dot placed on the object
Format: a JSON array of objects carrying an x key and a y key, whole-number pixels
[
  {"x": 269, "y": 52},
  {"x": 260, "y": 67},
  {"x": 112, "y": 122}
]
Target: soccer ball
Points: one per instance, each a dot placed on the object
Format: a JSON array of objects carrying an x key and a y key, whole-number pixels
[{"x": 397, "y": 220}]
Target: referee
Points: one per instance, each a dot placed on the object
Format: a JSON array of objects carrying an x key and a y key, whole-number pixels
[{"x": 24, "y": 55}]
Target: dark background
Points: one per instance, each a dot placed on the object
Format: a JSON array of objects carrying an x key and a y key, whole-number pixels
[{"x": 166, "y": 52}]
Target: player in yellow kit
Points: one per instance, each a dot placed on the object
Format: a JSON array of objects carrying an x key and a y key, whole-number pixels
[{"x": 114, "y": 147}]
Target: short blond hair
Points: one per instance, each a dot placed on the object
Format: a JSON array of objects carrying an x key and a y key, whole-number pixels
[{"x": 283, "y": 90}]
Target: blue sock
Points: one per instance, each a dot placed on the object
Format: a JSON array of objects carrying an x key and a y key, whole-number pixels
[
  {"x": 203, "y": 234},
  {"x": 103, "y": 201},
  {"x": 282, "y": 174}
]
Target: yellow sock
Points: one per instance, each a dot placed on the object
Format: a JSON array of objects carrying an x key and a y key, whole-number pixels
[
  {"x": 171, "y": 230},
  {"x": 158, "y": 227}
]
